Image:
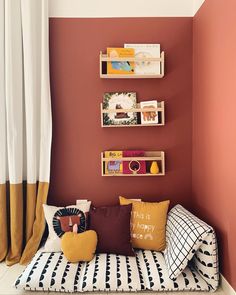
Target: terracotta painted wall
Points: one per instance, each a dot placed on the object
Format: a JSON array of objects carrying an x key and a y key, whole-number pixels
[
  {"x": 214, "y": 124},
  {"x": 77, "y": 92}
]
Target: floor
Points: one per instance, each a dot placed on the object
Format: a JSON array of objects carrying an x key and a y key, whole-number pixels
[{"x": 8, "y": 276}]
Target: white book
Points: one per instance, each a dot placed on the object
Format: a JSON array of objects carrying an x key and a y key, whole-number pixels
[
  {"x": 149, "y": 117},
  {"x": 146, "y": 50}
]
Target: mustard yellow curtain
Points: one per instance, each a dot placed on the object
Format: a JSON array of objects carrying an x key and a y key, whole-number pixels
[
  {"x": 20, "y": 245},
  {"x": 36, "y": 225}
]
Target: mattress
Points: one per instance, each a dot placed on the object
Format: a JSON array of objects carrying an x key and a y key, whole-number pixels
[{"x": 146, "y": 271}]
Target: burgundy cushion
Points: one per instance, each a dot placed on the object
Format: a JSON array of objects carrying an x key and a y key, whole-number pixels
[{"x": 112, "y": 225}]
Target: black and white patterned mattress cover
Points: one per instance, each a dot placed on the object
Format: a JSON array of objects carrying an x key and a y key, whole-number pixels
[{"x": 145, "y": 272}]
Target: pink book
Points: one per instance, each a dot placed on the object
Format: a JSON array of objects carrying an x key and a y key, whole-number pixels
[{"x": 134, "y": 167}]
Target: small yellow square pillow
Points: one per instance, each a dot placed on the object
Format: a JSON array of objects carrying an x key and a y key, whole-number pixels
[{"x": 148, "y": 224}]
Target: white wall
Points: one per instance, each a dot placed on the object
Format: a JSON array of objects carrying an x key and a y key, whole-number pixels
[{"x": 125, "y": 8}]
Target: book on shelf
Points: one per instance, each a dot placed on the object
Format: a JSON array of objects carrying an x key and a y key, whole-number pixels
[
  {"x": 120, "y": 67},
  {"x": 134, "y": 166},
  {"x": 116, "y": 166},
  {"x": 149, "y": 117},
  {"x": 143, "y": 51},
  {"x": 118, "y": 101}
]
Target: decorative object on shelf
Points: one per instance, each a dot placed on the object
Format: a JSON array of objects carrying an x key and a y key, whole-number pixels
[
  {"x": 149, "y": 117},
  {"x": 115, "y": 166},
  {"x": 120, "y": 67},
  {"x": 144, "y": 67},
  {"x": 154, "y": 169},
  {"x": 156, "y": 113},
  {"x": 119, "y": 101},
  {"x": 105, "y": 60},
  {"x": 135, "y": 163},
  {"x": 134, "y": 166}
]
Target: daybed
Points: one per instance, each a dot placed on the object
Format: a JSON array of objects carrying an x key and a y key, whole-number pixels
[{"x": 188, "y": 238}]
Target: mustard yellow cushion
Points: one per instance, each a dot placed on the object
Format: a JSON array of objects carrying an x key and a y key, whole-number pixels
[
  {"x": 79, "y": 247},
  {"x": 148, "y": 224}
]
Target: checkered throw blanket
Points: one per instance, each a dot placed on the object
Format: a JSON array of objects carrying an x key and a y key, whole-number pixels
[{"x": 190, "y": 240}]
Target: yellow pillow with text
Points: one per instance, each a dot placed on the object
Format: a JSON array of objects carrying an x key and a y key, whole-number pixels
[{"x": 148, "y": 224}]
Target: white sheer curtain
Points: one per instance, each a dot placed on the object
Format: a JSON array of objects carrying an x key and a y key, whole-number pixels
[{"x": 25, "y": 125}]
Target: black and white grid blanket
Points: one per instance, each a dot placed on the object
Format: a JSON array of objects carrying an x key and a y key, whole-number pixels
[
  {"x": 191, "y": 240},
  {"x": 189, "y": 263}
]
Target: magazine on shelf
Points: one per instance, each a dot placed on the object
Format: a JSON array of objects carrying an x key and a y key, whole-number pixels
[
  {"x": 120, "y": 67},
  {"x": 116, "y": 166},
  {"x": 149, "y": 117},
  {"x": 118, "y": 101},
  {"x": 146, "y": 50}
]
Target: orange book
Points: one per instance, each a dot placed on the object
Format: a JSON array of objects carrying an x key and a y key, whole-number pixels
[{"x": 120, "y": 67}]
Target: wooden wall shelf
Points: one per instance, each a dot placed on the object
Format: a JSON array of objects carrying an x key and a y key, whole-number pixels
[
  {"x": 104, "y": 58},
  {"x": 149, "y": 156},
  {"x": 160, "y": 109}
]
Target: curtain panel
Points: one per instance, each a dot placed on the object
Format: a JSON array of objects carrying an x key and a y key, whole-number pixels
[{"x": 25, "y": 127}]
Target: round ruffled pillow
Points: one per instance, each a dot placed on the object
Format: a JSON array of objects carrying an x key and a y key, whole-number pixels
[{"x": 79, "y": 247}]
